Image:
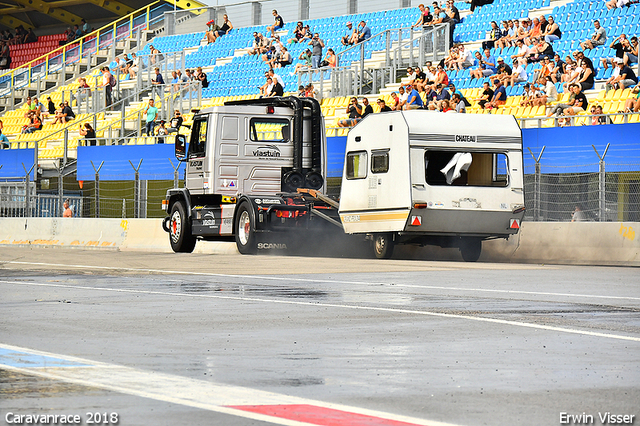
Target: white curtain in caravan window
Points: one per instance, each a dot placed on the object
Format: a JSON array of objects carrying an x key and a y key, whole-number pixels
[{"x": 460, "y": 161}]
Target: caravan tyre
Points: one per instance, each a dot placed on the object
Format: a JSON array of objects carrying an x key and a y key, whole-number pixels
[
  {"x": 470, "y": 249},
  {"x": 180, "y": 237},
  {"x": 383, "y": 245},
  {"x": 245, "y": 230}
]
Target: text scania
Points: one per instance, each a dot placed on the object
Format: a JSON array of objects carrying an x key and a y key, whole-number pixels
[
  {"x": 465, "y": 138},
  {"x": 268, "y": 246}
]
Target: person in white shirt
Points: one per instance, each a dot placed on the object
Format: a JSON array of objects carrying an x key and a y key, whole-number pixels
[
  {"x": 523, "y": 51},
  {"x": 465, "y": 58},
  {"x": 519, "y": 73}
]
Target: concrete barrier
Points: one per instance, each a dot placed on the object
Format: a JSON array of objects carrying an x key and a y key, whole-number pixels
[{"x": 586, "y": 243}]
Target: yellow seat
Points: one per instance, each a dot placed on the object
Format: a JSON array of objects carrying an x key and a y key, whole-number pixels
[
  {"x": 635, "y": 118},
  {"x": 610, "y": 94},
  {"x": 601, "y": 96},
  {"x": 626, "y": 94}
]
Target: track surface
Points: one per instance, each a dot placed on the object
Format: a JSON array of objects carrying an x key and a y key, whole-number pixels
[{"x": 166, "y": 339}]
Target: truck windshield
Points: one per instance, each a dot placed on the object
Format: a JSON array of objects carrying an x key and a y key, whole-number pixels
[
  {"x": 466, "y": 168},
  {"x": 269, "y": 129}
]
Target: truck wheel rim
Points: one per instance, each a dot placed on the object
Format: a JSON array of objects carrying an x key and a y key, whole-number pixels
[
  {"x": 244, "y": 227},
  {"x": 176, "y": 222},
  {"x": 380, "y": 244}
]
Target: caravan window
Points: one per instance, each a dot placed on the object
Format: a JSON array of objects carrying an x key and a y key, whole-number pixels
[
  {"x": 380, "y": 161},
  {"x": 466, "y": 168},
  {"x": 357, "y": 165},
  {"x": 269, "y": 129}
]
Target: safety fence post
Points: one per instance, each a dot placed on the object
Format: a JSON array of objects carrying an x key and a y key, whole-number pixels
[
  {"x": 537, "y": 188},
  {"x": 601, "y": 183}
]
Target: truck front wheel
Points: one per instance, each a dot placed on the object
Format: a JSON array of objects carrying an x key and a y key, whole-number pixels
[
  {"x": 383, "y": 245},
  {"x": 470, "y": 249},
  {"x": 245, "y": 230},
  {"x": 180, "y": 230}
]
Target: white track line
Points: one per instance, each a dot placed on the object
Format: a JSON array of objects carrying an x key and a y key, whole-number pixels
[
  {"x": 341, "y": 306},
  {"x": 185, "y": 391},
  {"x": 280, "y": 278}
]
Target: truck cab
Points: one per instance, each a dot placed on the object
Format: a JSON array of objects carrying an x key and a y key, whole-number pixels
[{"x": 243, "y": 151}]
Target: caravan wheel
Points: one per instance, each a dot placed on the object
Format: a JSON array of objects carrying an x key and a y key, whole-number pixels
[{"x": 383, "y": 245}]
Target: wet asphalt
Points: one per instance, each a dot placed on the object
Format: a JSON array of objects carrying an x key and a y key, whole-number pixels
[{"x": 467, "y": 344}]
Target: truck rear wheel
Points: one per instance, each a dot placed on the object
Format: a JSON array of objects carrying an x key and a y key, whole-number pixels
[
  {"x": 245, "y": 230},
  {"x": 470, "y": 249},
  {"x": 383, "y": 245},
  {"x": 180, "y": 230}
]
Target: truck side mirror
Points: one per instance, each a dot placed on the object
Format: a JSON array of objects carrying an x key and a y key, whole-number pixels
[{"x": 181, "y": 147}]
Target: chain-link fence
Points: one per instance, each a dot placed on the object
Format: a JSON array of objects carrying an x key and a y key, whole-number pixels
[{"x": 602, "y": 191}]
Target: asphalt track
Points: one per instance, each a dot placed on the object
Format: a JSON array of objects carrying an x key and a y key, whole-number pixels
[{"x": 167, "y": 339}]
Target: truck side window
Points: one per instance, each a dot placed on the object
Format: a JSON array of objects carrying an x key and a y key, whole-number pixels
[
  {"x": 486, "y": 169},
  {"x": 357, "y": 165},
  {"x": 198, "y": 143},
  {"x": 380, "y": 161},
  {"x": 269, "y": 129}
]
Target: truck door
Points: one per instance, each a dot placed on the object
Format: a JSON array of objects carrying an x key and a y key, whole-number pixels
[{"x": 196, "y": 157}]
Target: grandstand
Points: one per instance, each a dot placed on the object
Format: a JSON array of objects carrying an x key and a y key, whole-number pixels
[{"x": 235, "y": 74}]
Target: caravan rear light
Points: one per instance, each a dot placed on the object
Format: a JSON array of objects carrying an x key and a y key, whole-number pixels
[
  {"x": 419, "y": 205},
  {"x": 271, "y": 109},
  {"x": 165, "y": 204}
]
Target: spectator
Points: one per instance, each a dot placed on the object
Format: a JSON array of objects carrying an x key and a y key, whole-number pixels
[
  {"x": 414, "y": 101},
  {"x": 453, "y": 91},
  {"x": 310, "y": 91},
  {"x": 598, "y": 117},
  {"x": 135, "y": 66},
  {"x": 482, "y": 69},
  {"x": 363, "y": 33},
  {"x": 598, "y": 38},
  {"x": 265, "y": 89},
  {"x": 578, "y": 215},
  {"x": 37, "y": 107},
  {"x": 83, "y": 91},
  {"x": 155, "y": 55},
  {"x": 452, "y": 13},
  {"x": 86, "y": 28},
  {"x": 34, "y": 123},
  {"x": 557, "y": 109},
  {"x": 626, "y": 76},
  {"x": 124, "y": 63},
  {"x": 425, "y": 16},
  {"x": 553, "y": 32},
  {"x": 347, "y": 40},
  {"x": 301, "y": 91},
  {"x": 548, "y": 92},
  {"x": 438, "y": 16},
  {"x": 441, "y": 77},
  {"x": 162, "y": 131},
  {"x": 499, "y": 95},
  {"x": 107, "y": 80},
  {"x": 621, "y": 45},
  {"x": 558, "y": 68},
  {"x": 486, "y": 96},
  {"x": 580, "y": 102},
  {"x": 212, "y": 27},
  {"x": 77, "y": 32},
  {"x": 30, "y": 37},
  {"x": 354, "y": 109},
  {"x": 536, "y": 29},
  {"x": 543, "y": 24},
  {"x": 495, "y": 34},
  {"x": 524, "y": 31},
  {"x": 612, "y": 4},
  {"x": 519, "y": 73},
  {"x": 306, "y": 58},
  {"x": 157, "y": 83},
  {"x": 505, "y": 38},
  {"x": 632, "y": 57},
  {"x": 151, "y": 113},
  {"x": 259, "y": 45},
  {"x": 284, "y": 59},
  {"x": 226, "y": 27},
  {"x": 523, "y": 52},
  {"x": 5, "y": 56},
  {"x": 631, "y": 104},
  {"x": 276, "y": 87},
  {"x": 330, "y": 60},
  {"x": 276, "y": 77},
  {"x": 465, "y": 58},
  {"x": 587, "y": 77},
  {"x": 298, "y": 33},
  {"x": 541, "y": 50},
  {"x": 67, "y": 112},
  {"x": 395, "y": 101},
  {"x": 51, "y": 106},
  {"x": 89, "y": 134},
  {"x": 175, "y": 122},
  {"x": 368, "y": 108},
  {"x": 383, "y": 105},
  {"x": 436, "y": 96},
  {"x": 277, "y": 25},
  {"x": 457, "y": 104},
  {"x": 316, "y": 55},
  {"x": 68, "y": 212},
  {"x": 201, "y": 77},
  {"x": 4, "y": 140},
  {"x": 528, "y": 95}
]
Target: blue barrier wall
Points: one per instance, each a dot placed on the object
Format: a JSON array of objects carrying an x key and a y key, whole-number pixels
[
  {"x": 12, "y": 161},
  {"x": 156, "y": 162}
]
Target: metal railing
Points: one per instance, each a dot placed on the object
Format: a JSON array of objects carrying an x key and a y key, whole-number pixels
[
  {"x": 431, "y": 43},
  {"x": 83, "y": 47}
]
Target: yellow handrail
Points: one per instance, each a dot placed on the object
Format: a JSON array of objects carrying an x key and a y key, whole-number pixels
[{"x": 78, "y": 43}]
